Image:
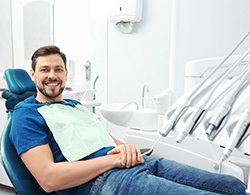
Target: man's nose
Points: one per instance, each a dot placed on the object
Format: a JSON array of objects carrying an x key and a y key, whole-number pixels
[{"x": 52, "y": 74}]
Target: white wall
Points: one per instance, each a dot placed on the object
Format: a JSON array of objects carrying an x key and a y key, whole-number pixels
[
  {"x": 141, "y": 57},
  {"x": 210, "y": 28},
  {"x": 82, "y": 35}
]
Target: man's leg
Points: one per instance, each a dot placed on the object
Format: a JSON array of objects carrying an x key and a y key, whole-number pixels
[
  {"x": 201, "y": 179},
  {"x": 160, "y": 176}
]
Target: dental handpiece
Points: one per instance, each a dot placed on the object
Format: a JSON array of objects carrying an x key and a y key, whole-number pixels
[
  {"x": 189, "y": 124},
  {"x": 239, "y": 130},
  {"x": 168, "y": 124},
  {"x": 225, "y": 107},
  {"x": 194, "y": 93},
  {"x": 195, "y": 116},
  {"x": 220, "y": 113}
]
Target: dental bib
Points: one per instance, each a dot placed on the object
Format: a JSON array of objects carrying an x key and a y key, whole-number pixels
[{"x": 77, "y": 132}]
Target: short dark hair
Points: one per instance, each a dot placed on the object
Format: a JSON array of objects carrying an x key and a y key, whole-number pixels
[{"x": 44, "y": 51}]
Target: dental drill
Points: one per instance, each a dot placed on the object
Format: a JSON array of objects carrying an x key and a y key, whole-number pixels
[
  {"x": 219, "y": 116},
  {"x": 240, "y": 128},
  {"x": 226, "y": 105},
  {"x": 205, "y": 104},
  {"x": 169, "y": 123},
  {"x": 189, "y": 124}
]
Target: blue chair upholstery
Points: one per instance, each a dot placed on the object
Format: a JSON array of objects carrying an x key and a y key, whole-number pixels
[
  {"x": 20, "y": 87},
  {"x": 18, "y": 81}
]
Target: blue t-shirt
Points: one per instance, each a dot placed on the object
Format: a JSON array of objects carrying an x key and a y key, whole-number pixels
[{"x": 29, "y": 129}]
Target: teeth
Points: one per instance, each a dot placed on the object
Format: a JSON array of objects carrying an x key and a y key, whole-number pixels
[{"x": 52, "y": 84}]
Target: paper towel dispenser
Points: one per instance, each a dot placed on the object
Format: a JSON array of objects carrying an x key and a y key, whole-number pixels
[{"x": 125, "y": 13}]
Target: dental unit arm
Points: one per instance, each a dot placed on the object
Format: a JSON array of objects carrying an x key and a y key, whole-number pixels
[
  {"x": 205, "y": 103},
  {"x": 170, "y": 122}
]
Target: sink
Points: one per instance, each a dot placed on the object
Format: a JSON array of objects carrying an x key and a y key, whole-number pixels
[
  {"x": 116, "y": 114},
  {"x": 141, "y": 119},
  {"x": 144, "y": 119}
]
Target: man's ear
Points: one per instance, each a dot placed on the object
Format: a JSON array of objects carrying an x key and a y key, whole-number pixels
[{"x": 32, "y": 73}]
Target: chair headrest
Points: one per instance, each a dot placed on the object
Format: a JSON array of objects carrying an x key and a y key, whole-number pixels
[
  {"x": 20, "y": 87},
  {"x": 18, "y": 81}
]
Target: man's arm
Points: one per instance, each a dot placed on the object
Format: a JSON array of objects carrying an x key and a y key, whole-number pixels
[
  {"x": 53, "y": 176},
  {"x": 130, "y": 153}
]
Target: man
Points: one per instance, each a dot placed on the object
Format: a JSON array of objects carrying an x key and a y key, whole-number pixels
[{"x": 67, "y": 149}]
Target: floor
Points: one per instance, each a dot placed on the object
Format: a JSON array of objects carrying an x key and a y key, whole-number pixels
[{"x": 4, "y": 190}]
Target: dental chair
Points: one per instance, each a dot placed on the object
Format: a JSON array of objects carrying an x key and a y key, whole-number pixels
[{"x": 20, "y": 86}]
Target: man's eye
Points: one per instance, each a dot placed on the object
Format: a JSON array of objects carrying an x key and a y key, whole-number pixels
[
  {"x": 59, "y": 70},
  {"x": 44, "y": 70}
]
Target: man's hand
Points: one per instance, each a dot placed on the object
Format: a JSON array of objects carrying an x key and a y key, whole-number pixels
[{"x": 128, "y": 155}]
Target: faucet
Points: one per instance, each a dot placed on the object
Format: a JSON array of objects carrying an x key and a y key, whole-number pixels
[
  {"x": 94, "y": 97},
  {"x": 137, "y": 107},
  {"x": 143, "y": 94},
  {"x": 94, "y": 84}
]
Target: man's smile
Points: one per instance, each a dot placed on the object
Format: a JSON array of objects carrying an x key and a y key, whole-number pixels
[{"x": 52, "y": 84}]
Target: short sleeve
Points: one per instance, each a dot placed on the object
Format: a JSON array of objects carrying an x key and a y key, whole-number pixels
[{"x": 28, "y": 129}]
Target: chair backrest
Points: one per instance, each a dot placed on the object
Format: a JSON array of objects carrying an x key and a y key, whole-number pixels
[
  {"x": 20, "y": 87},
  {"x": 20, "y": 177}
]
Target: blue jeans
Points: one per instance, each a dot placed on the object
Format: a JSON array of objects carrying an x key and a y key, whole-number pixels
[{"x": 161, "y": 176}]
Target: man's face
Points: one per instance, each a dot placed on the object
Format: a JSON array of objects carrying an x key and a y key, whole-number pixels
[{"x": 50, "y": 78}]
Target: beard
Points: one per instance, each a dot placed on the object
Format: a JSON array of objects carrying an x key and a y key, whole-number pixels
[{"x": 52, "y": 95}]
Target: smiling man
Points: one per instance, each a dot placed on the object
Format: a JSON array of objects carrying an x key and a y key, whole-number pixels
[
  {"x": 67, "y": 149},
  {"x": 51, "y": 77}
]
